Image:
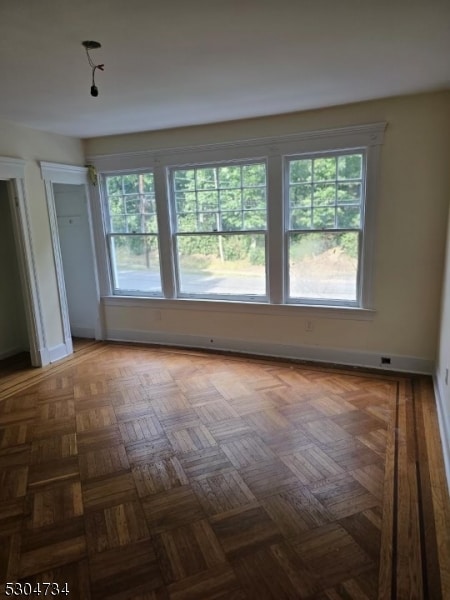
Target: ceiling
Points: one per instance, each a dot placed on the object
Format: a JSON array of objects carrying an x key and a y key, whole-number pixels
[{"x": 177, "y": 62}]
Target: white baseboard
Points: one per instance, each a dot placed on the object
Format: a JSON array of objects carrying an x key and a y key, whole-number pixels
[
  {"x": 444, "y": 425},
  {"x": 57, "y": 352},
  {"x": 340, "y": 356},
  {"x": 83, "y": 332}
]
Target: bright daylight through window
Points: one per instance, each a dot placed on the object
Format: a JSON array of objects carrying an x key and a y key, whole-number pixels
[
  {"x": 133, "y": 233},
  {"x": 221, "y": 221},
  {"x": 325, "y": 226},
  {"x": 284, "y": 223}
]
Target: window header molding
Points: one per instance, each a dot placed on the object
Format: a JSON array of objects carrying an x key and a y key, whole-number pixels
[
  {"x": 60, "y": 173},
  {"x": 11, "y": 168},
  {"x": 355, "y": 136}
]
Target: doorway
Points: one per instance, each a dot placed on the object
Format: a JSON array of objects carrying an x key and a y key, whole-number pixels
[
  {"x": 77, "y": 258},
  {"x": 14, "y": 338}
]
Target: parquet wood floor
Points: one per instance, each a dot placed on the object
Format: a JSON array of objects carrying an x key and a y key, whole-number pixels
[{"x": 136, "y": 473}]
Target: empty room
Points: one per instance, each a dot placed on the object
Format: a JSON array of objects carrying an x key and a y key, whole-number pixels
[{"x": 225, "y": 302}]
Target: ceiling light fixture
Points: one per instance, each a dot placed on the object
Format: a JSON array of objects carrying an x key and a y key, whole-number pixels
[{"x": 91, "y": 45}]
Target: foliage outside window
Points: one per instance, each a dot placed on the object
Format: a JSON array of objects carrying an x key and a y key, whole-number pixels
[
  {"x": 221, "y": 220},
  {"x": 133, "y": 233},
  {"x": 325, "y": 227}
]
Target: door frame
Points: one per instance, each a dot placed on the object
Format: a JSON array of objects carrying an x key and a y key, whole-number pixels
[
  {"x": 12, "y": 170},
  {"x": 52, "y": 173}
]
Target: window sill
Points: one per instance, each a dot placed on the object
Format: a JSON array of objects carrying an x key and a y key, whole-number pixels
[{"x": 235, "y": 307}]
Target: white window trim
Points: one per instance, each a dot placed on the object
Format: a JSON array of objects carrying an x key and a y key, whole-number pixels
[
  {"x": 362, "y": 272},
  {"x": 263, "y": 298},
  {"x": 110, "y": 234},
  {"x": 368, "y": 137}
]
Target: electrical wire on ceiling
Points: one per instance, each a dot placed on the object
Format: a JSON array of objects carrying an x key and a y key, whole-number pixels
[{"x": 92, "y": 45}]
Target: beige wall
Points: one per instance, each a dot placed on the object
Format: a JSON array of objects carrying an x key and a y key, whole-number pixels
[
  {"x": 411, "y": 215},
  {"x": 33, "y": 146}
]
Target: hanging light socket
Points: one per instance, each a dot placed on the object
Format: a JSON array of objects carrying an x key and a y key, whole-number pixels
[{"x": 92, "y": 45}]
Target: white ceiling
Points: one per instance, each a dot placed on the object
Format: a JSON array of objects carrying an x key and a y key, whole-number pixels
[{"x": 183, "y": 62}]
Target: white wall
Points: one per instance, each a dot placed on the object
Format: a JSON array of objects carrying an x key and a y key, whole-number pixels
[
  {"x": 410, "y": 237},
  {"x": 13, "y": 331},
  {"x": 31, "y": 145}
]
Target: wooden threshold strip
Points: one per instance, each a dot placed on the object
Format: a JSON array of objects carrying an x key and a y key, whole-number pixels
[{"x": 415, "y": 547}]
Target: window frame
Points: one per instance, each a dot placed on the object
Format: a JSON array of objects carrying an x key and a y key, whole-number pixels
[
  {"x": 302, "y": 301},
  {"x": 275, "y": 151},
  {"x": 109, "y": 235},
  {"x": 263, "y": 298}
]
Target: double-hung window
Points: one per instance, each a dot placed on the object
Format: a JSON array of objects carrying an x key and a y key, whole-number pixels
[
  {"x": 220, "y": 230},
  {"x": 132, "y": 233},
  {"x": 286, "y": 221},
  {"x": 325, "y": 227}
]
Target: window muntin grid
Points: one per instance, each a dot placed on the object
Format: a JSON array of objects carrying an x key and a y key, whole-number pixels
[
  {"x": 326, "y": 192},
  {"x": 220, "y": 198},
  {"x": 132, "y": 226}
]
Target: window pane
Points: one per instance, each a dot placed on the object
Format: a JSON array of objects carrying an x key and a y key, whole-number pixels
[
  {"x": 130, "y": 184},
  {"x": 119, "y": 223},
  {"x": 222, "y": 264},
  {"x": 254, "y": 198},
  {"x": 184, "y": 180},
  {"x": 254, "y": 175},
  {"x": 230, "y": 200},
  {"x": 301, "y": 218},
  {"x": 348, "y": 217},
  {"x": 324, "y": 218},
  {"x": 231, "y": 221},
  {"x": 255, "y": 219},
  {"x": 206, "y": 179},
  {"x": 136, "y": 263},
  {"x": 300, "y": 171},
  {"x": 324, "y": 169},
  {"x": 229, "y": 177},
  {"x": 301, "y": 195},
  {"x": 323, "y": 266},
  {"x": 134, "y": 224},
  {"x": 350, "y": 166},
  {"x": 349, "y": 192},
  {"x": 186, "y": 202},
  {"x": 132, "y": 204},
  {"x": 207, "y": 221},
  {"x": 324, "y": 194},
  {"x": 187, "y": 222},
  {"x": 148, "y": 185},
  {"x": 208, "y": 200},
  {"x": 114, "y": 185}
]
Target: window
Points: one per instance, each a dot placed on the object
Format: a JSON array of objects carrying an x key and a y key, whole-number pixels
[
  {"x": 133, "y": 233},
  {"x": 284, "y": 221},
  {"x": 221, "y": 221},
  {"x": 325, "y": 227}
]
